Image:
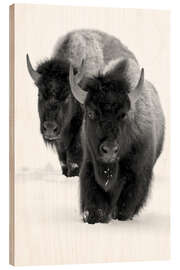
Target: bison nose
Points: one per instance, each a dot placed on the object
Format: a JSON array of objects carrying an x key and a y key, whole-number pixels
[
  {"x": 109, "y": 151},
  {"x": 50, "y": 130}
]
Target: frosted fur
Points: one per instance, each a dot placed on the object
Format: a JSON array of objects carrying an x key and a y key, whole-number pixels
[{"x": 95, "y": 47}]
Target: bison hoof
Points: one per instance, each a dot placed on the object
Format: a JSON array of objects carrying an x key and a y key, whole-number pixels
[
  {"x": 114, "y": 213},
  {"x": 65, "y": 170},
  {"x": 124, "y": 216},
  {"x": 93, "y": 216},
  {"x": 73, "y": 170},
  {"x": 85, "y": 216}
]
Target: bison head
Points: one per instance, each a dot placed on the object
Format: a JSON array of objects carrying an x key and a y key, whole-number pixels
[
  {"x": 108, "y": 100},
  {"x": 51, "y": 79}
]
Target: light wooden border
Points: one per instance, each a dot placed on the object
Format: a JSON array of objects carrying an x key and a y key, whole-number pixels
[{"x": 11, "y": 133}]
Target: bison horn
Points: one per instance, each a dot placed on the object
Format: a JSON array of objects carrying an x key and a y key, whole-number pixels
[
  {"x": 134, "y": 94},
  {"x": 34, "y": 74},
  {"x": 78, "y": 93}
]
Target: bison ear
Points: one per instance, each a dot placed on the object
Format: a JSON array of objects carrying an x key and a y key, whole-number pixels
[
  {"x": 135, "y": 94},
  {"x": 123, "y": 69},
  {"x": 115, "y": 68},
  {"x": 79, "y": 94},
  {"x": 34, "y": 74}
]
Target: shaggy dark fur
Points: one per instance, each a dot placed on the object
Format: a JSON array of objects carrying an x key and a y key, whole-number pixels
[
  {"x": 118, "y": 188},
  {"x": 56, "y": 105},
  {"x": 60, "y": 114}
]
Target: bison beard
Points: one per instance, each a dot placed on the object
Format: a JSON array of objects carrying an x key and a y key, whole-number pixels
[{"x": 106, "y": 174}]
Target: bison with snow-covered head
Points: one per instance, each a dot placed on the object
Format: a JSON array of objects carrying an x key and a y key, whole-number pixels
[{"x": 122, "y": 137}]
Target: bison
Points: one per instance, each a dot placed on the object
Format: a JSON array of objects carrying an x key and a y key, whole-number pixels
[
  {"x": 122, "y": 136},
  {"x": 60, "y": 114}
]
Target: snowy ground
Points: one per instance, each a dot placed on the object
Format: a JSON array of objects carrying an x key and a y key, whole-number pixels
[{"x": 49, "y": 229}]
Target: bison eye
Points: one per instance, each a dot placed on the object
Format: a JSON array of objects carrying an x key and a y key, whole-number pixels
[
  {"x": 122, "y": 116},
  {"x": 91, "y": 114}
]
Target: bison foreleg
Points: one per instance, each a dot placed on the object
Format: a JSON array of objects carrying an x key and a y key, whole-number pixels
[
  {"x": 62, "y": 159},
  {"x": 133, "y": 196},
  {"x": 95, "y": 205},
  {"x": 73, "y": 162}
]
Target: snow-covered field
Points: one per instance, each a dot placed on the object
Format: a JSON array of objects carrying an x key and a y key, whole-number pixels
[{"x": 49, "y": 228}]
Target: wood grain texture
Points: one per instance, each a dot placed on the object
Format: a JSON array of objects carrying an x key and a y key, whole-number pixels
[
  {"x": 11, "y": 135},
  {"x": 45, "y": 223}
]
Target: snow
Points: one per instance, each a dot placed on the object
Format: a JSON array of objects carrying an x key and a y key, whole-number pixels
[{"x": 50, "y": 230}]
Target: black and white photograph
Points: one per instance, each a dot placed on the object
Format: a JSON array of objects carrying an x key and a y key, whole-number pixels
[{"x": 90, "y": 137}]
